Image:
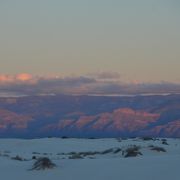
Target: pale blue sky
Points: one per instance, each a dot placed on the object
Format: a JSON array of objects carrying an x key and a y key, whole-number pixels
[{"x": 140, "y": 39}]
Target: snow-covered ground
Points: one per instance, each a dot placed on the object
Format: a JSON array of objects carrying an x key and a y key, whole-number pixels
[{"x": 90, "y": 159}]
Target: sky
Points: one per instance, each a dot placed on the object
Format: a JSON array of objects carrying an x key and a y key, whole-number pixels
[{"x": 138, "y": 39}]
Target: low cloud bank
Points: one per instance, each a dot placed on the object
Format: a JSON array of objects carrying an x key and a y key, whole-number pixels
[{"x": 104, "y": 83}]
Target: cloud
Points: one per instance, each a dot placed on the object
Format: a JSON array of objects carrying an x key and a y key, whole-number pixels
[
  {"x": 17, "y": 79},
  {"x": 100, "y": 83},
  {"x": 6, "y": 79},
  {"x": 108, "y": 75},
  {"x": 24, "y": 77}
]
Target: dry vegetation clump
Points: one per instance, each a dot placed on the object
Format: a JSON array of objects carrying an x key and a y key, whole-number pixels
[
  {"x": 164, "y": 141},
  {"x": 43, "y": 163},
  {"x": 18, "y": 158},
  {"x": 36, "y": 153},
  {"x": 107, "y": 151},
  {"x": 117, "y": 150},
  {"x": 89, "y": 153},
  {"x": 34, "y": 157},
  {"x": 158, "y": 149},
  {"x": 147, "y": 139},
  {"x": 64, "y": 137},
  {"x": 132, "y": 151},
  {"x": 81, "y": 155}
]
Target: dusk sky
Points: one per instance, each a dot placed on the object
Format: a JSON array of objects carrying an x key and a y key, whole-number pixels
[{"x": 139, "y": 39}]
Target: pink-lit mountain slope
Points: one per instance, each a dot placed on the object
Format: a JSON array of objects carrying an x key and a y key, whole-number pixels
[{"x": 89, "y": 116}]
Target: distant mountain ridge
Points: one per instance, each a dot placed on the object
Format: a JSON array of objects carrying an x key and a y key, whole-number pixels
[{"x": 90, "y": 116}]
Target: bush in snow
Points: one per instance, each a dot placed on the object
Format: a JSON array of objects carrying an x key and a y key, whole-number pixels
[
  {"x": 164, "y": 141},
  {"x": 158, "y": 149},
  {"x": 147, "y": 138},
  {"x": 18, "y": 158},
  {"x": 43, "y": 163},
  {"x": 132, "y": 151}
]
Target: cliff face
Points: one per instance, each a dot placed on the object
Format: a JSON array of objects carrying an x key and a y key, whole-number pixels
[
  {"x": 84, "y": 116},
  {"x": 12, "y": 120},
  {"x": 119, "y": 120}
]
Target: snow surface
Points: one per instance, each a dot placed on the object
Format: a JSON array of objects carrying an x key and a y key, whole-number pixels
[{"x": 151, "y": 165}]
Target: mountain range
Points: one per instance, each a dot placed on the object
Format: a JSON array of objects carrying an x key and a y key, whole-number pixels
[{"x": 90, "y": 116}]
